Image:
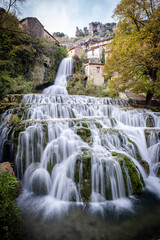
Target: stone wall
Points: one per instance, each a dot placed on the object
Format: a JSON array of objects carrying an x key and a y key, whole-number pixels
[
  {"x": 32, "y": 26},
  {"x": 93, "y": 70},
  {"x": 35, "y": 29},
  {"x": 76, "y": 51}
]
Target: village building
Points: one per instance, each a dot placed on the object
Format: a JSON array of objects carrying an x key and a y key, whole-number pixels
[
  {"x": 93, "y": 69},
  {"x": 35, "y": 29},
  {"x": 101, "y": 43},
  {"x": 95, "y": 50},
  {"x": 76, "y": 51},
  {"x": 95, "y": 54},
  {"x": 94, "y": 72}
]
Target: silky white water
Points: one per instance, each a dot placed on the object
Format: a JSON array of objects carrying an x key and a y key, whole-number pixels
[
  {"x": 65, "y": 71},
  {"x": 73, "y": 150}
]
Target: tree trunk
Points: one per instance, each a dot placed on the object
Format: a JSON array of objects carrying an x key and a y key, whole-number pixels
[{"x": 149, "y": 98}]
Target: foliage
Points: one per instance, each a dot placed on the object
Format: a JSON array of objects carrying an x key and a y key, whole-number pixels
[
  {"x": 9, "y": 6},
  {"x": 134, "y": 62},
  {"x": 60, "y": 52},
  {"x": 79, "y": 85},
  {"x": 58, "y": 34},
  {"x": 79, "y": 63},
  {"x": 19, "y": 53},
  {"x": 54, "y": 53},
  {"x": 10, "y": 222},
  {"x": 103, "y": 57},
  {"x": 10, "y": 85}
]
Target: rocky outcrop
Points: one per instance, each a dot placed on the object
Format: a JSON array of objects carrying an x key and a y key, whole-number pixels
[
  {"x": 134, "y": 173},
  {"x": 6, "y": 167},
  {"x": 96, "y": 28},
  {"x": 79, "y": 32}
]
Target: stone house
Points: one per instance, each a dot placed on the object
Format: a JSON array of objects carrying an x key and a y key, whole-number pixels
[
  {"x": 94, "y": 52},
  {"x": 94, "y": 72},
  {"x": 100, "y": 43},
  {"x": 76, "y": 51},
  {"x": 35, "y": 29}
]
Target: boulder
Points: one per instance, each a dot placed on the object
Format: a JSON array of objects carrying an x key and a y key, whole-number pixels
[{"x": 6, "y": 167}]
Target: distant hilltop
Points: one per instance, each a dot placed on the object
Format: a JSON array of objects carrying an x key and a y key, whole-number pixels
[{"x": 96, "y": 29}]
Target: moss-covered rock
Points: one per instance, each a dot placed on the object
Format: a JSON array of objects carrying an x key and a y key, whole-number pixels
[
  {"x": 145, "y": 165},
  {"x": 148, "y": 132},
  {"x": 84, "y": 181},
  {"x": 51, "y": 164},
  {"x": 134, "y": 174},
  {"x": 85, "y": 134},
  {"x": 138, "y": 155}
]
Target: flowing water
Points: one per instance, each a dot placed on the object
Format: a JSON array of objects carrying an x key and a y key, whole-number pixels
[{"x": 89, "y": 167}]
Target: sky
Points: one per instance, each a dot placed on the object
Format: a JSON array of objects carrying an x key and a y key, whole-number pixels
[{"x": 65, "y": 15}]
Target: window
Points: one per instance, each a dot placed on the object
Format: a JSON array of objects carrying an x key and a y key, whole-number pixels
[{"x": 98, "y": 69}]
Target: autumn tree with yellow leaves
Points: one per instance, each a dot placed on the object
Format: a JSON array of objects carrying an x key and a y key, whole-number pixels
[{"x": 134, "y": 61}]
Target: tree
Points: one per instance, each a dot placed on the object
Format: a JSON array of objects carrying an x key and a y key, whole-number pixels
[
  {"x": 134, "y": 62},
  {"x": 10, "y": 6},
  {"x": 103, "y": 57}
]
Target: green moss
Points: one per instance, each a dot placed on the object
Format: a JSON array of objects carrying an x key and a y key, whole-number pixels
[
  {"x": 14, "y": 120},
  {"x": 85, "y": 134},
  {"x": 10, "y": 221},
  {"x": 138, "y": 155},
  {"x": 83, "y": 124},
  {"x": 137, "y": 184},
  {"x": 51, "y": 164},
  {"x": 86, "y": 192},
  {"x": 85, "y": 183},
  {"x": 113, "y": 122}
]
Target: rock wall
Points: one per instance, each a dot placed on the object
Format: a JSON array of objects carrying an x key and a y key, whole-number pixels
[{"x": 96, "y": 28}]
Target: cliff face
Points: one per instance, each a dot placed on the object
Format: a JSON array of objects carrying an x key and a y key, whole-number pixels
[{"x": 96, "y": 28}]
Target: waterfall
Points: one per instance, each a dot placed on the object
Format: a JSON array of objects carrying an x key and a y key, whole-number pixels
[
  {"x": 65, "y": 71},
  {"x": 81, "y": 149}
]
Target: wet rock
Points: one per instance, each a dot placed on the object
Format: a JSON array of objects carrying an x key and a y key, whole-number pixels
[
  {"x": 85, "y": 134},
  {"x": 151, "y": 131},
  {"x": 134, "y": 174},
  {"x": 84, "y": 181},
  {"x": 6, "y": 167},
  {"x": 145, "y": 165},
  {"x": 13, "y": 98},
  {"x": 150, "y": 121}
]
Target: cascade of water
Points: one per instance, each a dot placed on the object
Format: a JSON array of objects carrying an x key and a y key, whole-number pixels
[
  {"x": 65, "y": 70},
  {"x": 82, "y": 149}
]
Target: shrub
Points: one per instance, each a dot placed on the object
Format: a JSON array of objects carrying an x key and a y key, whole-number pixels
[{"x": 10, "y": 221}]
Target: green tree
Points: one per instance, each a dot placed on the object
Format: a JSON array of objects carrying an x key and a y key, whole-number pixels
[
  {"x": 18, "y": 52},
  {"x": 134, "y": 61},
  {"x": 103, "y": 57}
]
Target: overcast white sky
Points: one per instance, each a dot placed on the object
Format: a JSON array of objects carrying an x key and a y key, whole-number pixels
[{"x": 65, "y": 15}]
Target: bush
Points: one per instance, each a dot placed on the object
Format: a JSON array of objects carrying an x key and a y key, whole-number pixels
[
  {"x": 13, "y": 85},
  {"x": 10, "y": 221}
]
